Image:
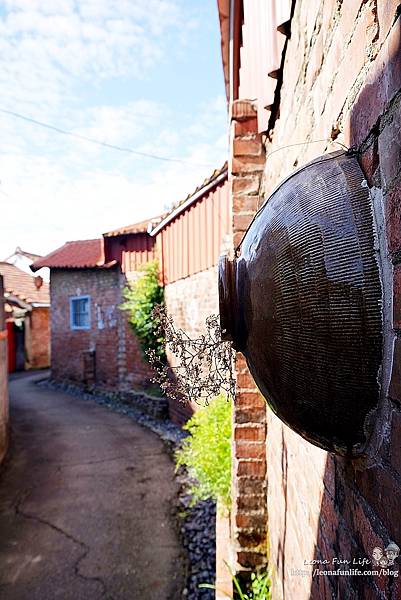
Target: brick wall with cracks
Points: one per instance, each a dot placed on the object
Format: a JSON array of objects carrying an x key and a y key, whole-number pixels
[{"x": 342, "y": 79}]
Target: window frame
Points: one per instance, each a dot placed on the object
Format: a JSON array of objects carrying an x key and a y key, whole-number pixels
[{"x": 80, "y": 327}]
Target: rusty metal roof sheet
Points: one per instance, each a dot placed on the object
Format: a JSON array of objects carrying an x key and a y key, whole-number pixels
[
  {"x": 217, "y": 176},
  {"x": 258, "y": 45}
]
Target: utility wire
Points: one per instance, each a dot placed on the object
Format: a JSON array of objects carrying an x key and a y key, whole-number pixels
[{"x": 99, "y": 142}]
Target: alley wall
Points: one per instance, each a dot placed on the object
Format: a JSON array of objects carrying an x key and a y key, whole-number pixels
[
  {"x": 341, "y": 82},
  {"x": 3, "y": 378},
  {"x": 37, "y": 338},
  {"x": 190, "y": 301}
]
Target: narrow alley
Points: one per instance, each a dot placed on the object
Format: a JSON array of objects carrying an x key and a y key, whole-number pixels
[{"x": 72, "y": 498}]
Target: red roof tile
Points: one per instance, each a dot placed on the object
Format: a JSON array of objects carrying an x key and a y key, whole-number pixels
[
  {"x": 80, "y": 254},
  {"x": 21, "y": 284}
]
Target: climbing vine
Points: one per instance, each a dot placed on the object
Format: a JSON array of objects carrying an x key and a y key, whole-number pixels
[{"x": 141, "y": 296}]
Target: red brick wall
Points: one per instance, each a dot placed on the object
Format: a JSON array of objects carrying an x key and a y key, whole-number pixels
[
  {"x": 118, "y": 359},
  {"x": 37, "y": 339},
  {"x": 249, "y": 510},
  {"x": 341, "y": 79},
  {"x": 3, "y": 378}
]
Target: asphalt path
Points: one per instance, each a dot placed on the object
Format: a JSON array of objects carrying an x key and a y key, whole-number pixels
[{"x": 86, "y": 504}]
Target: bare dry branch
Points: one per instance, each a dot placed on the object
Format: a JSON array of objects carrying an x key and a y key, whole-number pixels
[{"x": 204, "y": 365}]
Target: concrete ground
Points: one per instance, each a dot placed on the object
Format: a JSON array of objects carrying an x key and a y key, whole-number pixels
[{"x": 86, "y": 499}]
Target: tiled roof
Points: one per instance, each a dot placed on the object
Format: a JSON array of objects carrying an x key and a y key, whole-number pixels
[
  {"x": 79, "y": 254},
  {"x": 20, "y": 284},
  {"x": 141, "y": 227}
]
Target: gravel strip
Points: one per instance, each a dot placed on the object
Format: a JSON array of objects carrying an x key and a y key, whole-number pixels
[{"x": 197, "y": 523}]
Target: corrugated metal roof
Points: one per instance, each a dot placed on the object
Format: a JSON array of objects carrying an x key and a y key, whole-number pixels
[
  {"x": 79, "y": 254},
  {"x": 20, "y": 284},
  {"x": 208, "y": 184},
  {"x": 259, "y": 43},
  {"x": 191, "y": 239}
]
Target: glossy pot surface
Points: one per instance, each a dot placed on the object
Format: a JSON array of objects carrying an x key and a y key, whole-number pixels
[{"x": 302, "y": 302}]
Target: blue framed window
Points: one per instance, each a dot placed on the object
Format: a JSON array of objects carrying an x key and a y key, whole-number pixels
[{"x": 80, "y": 316}]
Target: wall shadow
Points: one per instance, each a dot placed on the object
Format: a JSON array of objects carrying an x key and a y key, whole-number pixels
[{"x": 360, "y": 507}]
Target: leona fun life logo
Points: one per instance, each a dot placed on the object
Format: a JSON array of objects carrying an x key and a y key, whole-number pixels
[{"x": 385, "y": 558}]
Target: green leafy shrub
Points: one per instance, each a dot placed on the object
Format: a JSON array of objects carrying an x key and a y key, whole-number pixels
[
  {"x": 206, "y": 452},
  {"x": 141, "y": 297},
  {"x": 258, "y": 589}
]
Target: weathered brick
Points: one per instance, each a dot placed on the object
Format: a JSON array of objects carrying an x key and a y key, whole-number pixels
[
  {"x": 395, "y": 382},
  {"x": 252, "y": 486},
  {"x": 328, "y": 511},
  {"x": 393, "y": 218},
  {"x": 377, "y": 484},
  {"x": 242, "y": 222},
  {"x": 248, "y": 164},
  {"x": 237, "y": 238},
  {"x": 250, "y": 560},
  {"x": 38, "y": 347},
  {"x": 369, "y": 161},
  {"x": 250, "y": 415},
  {"x": 397, "y": 298},
  {"x": 248, "y": 502},
  {"x": 395, "y": 456},
  {"x": 380, "y": 86},
  {"x": 244, "y": 127},
  {"x": 359, "y": 46},
  {"x": 252, "y": 538},
  {"x": 252, "y": 433},
  {"x": 390, "y": 148},
  {"x": 251, "y": 467},
  {"x": 248, "y": 147},
  {"x": 245, "y": 204},
  {"x": 250, "y": 450},
  {"x": 243, "y": 110},
  {"x": 245, "y": 381},
  {"x": 240, "y": 363},
  {"x": 246, "y": 185},
  {"x": 245, "y": 521},
  {"x": 254, "y": 399},
  {"x": 315, "y": 62}
]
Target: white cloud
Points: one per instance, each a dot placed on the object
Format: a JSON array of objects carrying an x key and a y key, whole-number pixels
[
  {"x": 89, "y": 189},
  {"x": 55, "y": 188}
]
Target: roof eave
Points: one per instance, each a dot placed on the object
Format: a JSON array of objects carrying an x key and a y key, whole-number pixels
[
  {"x": 224, "y": 17},
  {"x": 177, "y": 211},
  {"x": 108, "y": 265}
]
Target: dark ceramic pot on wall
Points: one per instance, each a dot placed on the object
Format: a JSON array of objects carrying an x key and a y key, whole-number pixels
[{"x": 302, "y": 302}]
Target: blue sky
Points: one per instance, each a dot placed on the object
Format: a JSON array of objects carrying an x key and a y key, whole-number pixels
[{"x": 142, "y": 74}]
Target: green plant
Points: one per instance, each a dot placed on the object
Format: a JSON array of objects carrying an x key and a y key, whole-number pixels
[
  {"x": 206, "y": 452},
  {"x": 259, "y": 587},
  {"x": 141, "y": 297}
]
